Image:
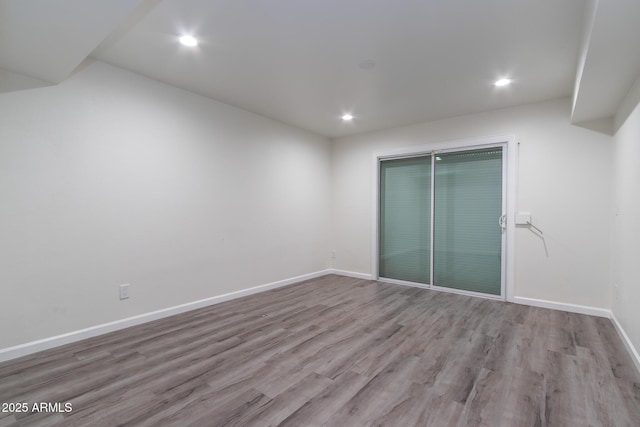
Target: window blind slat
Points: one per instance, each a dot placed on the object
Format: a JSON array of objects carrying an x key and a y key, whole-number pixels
[
  {"x": 467, "y": 206},
  {"x": 405, "y": 217}
]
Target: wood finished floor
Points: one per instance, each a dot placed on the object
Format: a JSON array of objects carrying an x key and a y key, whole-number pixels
[{"x": 338, "y": 351}]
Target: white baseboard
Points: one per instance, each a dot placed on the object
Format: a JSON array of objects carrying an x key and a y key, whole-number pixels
[
  {"x": 353, "y": 274},
  {"x": 58, "y": 340},
  {"x": 593, "y": 311},
  {"x": 627, "y": 342},
  {"x": 572, "y": 308}
]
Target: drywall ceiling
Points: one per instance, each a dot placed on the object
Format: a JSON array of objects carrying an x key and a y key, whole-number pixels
[
  {"x": 43, "y": 41},
  {"x": 609, "y": 61},
  {"x": 307, "y": 62},
  {"x": 297, "y": 61}
]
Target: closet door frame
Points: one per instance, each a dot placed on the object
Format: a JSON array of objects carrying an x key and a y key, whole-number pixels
[{"x": 509, "y": 147}]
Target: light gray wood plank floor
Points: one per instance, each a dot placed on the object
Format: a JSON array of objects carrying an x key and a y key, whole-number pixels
[{"x": 338, "y": 351}]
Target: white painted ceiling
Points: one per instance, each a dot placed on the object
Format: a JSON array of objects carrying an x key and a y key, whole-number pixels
[
  {"x": 610, "y": 62},
  {"x": 43, "y": 41},
  {"x": 297, "y": 61}
]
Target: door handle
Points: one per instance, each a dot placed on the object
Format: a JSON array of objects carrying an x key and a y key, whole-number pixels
[{"x": 502, "y": 222}]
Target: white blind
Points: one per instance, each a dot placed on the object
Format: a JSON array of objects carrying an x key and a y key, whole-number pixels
[
  {"x": 467, "y": 207},
  {"x": 405, "y": 219}
]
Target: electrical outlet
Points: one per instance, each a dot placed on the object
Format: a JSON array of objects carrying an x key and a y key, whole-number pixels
[
  {"x": 616, "y": 292},
  {"x": 523, "y": 218},
  {"x": 124, "y": 291},
  {"x": 333, "y": 254}
]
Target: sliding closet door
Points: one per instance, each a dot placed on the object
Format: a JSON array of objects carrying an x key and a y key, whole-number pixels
[
  {"x": 405, "y": 219},
  {"x": 467, "y": 209}
]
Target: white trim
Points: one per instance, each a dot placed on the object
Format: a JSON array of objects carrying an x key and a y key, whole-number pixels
[
  {"x": 440, "y": 289},
  {"x": 572, "y": 308},
  {"x": 451, "y": 145},
  {"x": 504, "y": 232},
  {"x": 404, "y": 283},
  {"x": 467, "y": 293},
  {"x": 513, "y": 145},
  {"x": 432, "y": 221},
  {"x": 375, "y": 243},
  {"x": 627, "y": 342},
  {"x": 353, "y": 274},
  {"x": 56, "y": 341},
  {"x": 70, "y": 337}
]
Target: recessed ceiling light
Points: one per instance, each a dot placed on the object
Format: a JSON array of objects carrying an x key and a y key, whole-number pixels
[
  {"x": 188, "y": 40},
  {"x": 502, "y": 82},
  {"x": 347, "y": 117}
]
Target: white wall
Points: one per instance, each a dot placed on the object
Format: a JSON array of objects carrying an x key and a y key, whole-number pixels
[
  {"x": 563, "y": 180},
  {"x": 625, "y": 216},
  {"x": 112, "y": 178}
]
